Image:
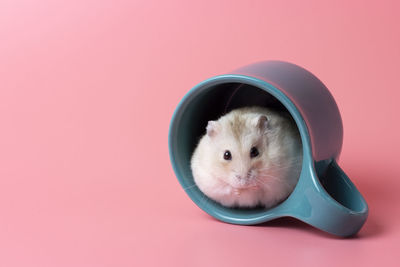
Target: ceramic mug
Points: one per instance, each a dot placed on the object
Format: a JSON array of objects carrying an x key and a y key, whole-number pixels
[{"x": 324, "y": 196}]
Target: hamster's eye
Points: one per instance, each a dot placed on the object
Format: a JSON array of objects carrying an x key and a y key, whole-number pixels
[
  {"x": 227, "y": 155},
  {"x": 254, "y": 152}
]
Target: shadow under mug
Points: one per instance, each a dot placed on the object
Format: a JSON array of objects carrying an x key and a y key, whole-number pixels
[{"x": 324, "y": 196}]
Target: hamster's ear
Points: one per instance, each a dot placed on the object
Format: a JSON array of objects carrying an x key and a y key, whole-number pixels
[
  {"x": 262, "y": 122},
  {"x": 212, "y": 128}
]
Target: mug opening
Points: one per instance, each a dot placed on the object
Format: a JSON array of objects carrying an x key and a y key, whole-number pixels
[{"x": 198, "y": 107}]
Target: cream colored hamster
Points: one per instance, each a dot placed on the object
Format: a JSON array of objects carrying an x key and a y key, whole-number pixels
[{"x": 249, "y": 157}]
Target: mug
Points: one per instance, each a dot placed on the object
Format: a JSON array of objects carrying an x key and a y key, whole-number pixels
[{"x": 324, "y": 196}]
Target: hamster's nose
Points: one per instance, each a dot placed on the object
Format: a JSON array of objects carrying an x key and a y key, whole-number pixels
[
  {"x": 239, "y": 177},
  {"x": 242, "y": 177}
]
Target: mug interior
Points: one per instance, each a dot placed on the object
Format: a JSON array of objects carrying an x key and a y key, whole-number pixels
[{"x": 197, "y": 108}]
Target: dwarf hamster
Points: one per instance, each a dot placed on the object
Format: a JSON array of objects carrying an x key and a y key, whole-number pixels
[{"x": 249, "y": 157}]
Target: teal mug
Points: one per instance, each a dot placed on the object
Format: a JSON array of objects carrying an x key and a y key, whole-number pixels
[{"x": 324, "y": 196}]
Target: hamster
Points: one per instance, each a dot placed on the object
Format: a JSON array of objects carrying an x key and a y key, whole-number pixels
[{"x": 249, "y": 157}]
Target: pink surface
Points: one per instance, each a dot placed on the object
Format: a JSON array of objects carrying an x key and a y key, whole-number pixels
[{"x": 87, "y": 90}]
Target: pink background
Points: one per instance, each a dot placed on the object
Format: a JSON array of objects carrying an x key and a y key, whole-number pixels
[{"x": 87, "y": 90}]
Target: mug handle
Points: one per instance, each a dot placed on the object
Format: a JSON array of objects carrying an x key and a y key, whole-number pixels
[{"x": 328, "y": 200}]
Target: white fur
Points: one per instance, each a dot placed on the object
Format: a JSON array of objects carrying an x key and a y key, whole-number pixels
[{"x": 243, "y": 181}]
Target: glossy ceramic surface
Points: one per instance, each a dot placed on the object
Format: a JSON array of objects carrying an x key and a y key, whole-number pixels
[{"x": 324, "y": 196}]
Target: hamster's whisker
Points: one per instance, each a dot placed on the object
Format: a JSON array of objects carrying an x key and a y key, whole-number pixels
[
  {"x": 270, "y": 176},
  {"x": 291, "y": 160},
  {"x": 282, "y": 166},
  {"x": 275, "y": 166},
  {"x": 204, "y": 200},
  {"x": 294, "y": 157},
  {"x": 277, "y": 169},
  {"x": 295, "y": 161},
  {"x": 190, "y": 186},
  {"x": 276, "y": 179},
  {"x": 285, "y": 167},
  {"x": 263, "y": 183}
]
